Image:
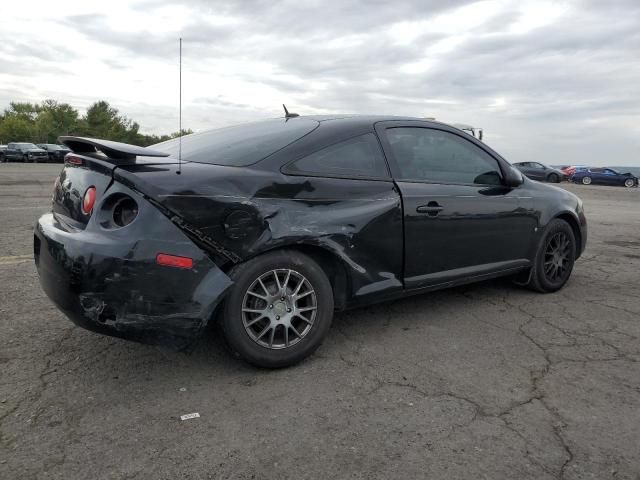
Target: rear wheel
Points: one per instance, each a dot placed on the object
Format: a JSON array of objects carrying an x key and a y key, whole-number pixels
[
  {"x": 279, "y": 310},
  {"x": 554, "y": 258},
  {"x": 553, "y": 178},
  {"x": 586, "y": 180},
  {"x": 629, "y": 183}
]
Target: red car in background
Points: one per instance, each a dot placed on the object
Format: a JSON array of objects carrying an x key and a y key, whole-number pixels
[{"x": 569, "y": 170}]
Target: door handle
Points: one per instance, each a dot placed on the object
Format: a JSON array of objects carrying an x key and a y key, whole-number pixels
[{"x": 432, "y": 209}]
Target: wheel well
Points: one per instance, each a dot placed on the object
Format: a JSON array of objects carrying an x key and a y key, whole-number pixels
[
  {"x": 573, "y": 223},
  {"x": 333, "y": 268}
]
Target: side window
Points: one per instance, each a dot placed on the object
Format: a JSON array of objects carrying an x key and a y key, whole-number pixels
[
  {"x": 357, "y": 157},
  {"x": 539, "y": 166},
  {"x": 438, "y": 156}
]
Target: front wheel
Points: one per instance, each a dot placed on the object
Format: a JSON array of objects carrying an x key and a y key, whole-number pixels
[
  {"x": 25, "y": 159},
  {"x": 629, "y": 183},
  {"x": 555, "y": 257},
  {"x": 586, "y": 180},
  {"x": 553, "y": 178},
  {"x": 279, "y": 310}
]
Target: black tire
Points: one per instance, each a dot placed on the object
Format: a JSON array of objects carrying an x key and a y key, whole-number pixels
[
  {"x": 586, "y": 180},
  {"x": 233, "y": 318},
  {"x": 629, "y": 182},
  {"x": 540, "y": 278},
  {"x": 25, "y": 159},
  {"x": 553, "y": 178}
]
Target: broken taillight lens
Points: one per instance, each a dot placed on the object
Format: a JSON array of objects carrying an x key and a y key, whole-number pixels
[{"x": 89, "y": 200}]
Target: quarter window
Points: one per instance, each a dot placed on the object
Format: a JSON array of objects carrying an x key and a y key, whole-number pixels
[
  {"x": 357, "y": 157},
  {"x": 426, "y": 154}
]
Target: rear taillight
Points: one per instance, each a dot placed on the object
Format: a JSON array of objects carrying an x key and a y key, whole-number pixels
[
  {"x": 89, "y": 200},
  {"x": 174, "y": 261}
]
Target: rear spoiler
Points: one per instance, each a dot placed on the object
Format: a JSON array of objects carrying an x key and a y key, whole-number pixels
[{"x": 113, "y": 150}]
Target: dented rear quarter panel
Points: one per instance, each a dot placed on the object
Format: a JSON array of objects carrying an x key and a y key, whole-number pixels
[{"x": 250, "y": 211}]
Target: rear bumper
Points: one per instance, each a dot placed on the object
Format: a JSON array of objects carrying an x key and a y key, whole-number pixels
[{"x": 109, "y": 282}]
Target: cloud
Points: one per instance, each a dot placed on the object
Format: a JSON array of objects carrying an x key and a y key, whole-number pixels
[{"x": 546, "y": 80}]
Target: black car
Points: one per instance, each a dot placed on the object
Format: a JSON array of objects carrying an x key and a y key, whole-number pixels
[
  {"x": 25, "y": 152},
  {"x": 273, "y": 225},
  {"x": 540, "y": 171},
  {"x": 3, "y": 148},
  {"x": 56, "y": 152}
]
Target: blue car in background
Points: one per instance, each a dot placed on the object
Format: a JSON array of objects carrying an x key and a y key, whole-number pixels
[{"x": 604, "y": 176}]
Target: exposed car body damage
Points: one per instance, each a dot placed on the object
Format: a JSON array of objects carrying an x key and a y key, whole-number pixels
[
  {"x": 250, "y": 214},
  {"x": 108, "y": 281},
  {"x": 371, "y": 234}
]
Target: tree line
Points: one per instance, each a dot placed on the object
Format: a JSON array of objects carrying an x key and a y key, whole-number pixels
[{"x": 45, "y": 122}]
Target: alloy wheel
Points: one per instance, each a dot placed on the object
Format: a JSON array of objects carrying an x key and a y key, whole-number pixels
[
  {"x": 586, "y": 180},
  {"x": 279, "y": 308},
  {"x": 628, "y": 183},
  {"x": 556, "y": 257}
]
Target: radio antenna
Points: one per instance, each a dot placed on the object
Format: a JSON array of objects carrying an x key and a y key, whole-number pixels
[{"x": 180, "y": 114}]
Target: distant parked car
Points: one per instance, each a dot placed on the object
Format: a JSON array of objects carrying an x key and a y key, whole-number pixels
[
  {"x": 25, "y": 152},
  {"x": 605, "y": 176},
  {"x": 2, "y": 149},
  {"x": 56, "y": 152},
  {"x": 539, "y": 171}
]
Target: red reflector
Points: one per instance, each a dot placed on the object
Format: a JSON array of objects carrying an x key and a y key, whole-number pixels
[
  {"x": 89, "y": 200},
  {"x": 70, "y": 158},
  {"x": 174, "y": 261}
]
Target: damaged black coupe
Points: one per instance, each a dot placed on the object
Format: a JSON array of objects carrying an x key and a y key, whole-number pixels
[{"x": 272, "y": 226}]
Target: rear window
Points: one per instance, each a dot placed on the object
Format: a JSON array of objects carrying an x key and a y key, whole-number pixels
[{"x": 239, "y": 145}]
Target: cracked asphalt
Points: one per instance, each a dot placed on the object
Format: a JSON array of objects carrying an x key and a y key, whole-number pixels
[{"x": 485, "y": 381}]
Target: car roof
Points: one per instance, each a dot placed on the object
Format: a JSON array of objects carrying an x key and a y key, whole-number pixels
[{"x": 354, "y": 119}]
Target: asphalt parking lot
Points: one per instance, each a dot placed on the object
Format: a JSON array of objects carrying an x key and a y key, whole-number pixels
[{"x": 484, "y": 381}]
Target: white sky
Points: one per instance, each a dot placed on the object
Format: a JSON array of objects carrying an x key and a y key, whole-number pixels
[{"x": 549, "y": 81}]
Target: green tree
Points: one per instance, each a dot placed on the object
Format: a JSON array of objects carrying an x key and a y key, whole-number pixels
[
  {"x": 16, "y": 129},
  {"x": 61, "y": 118},
  {"x": 45, "y": 122},
  {"x": 25, "y": 110}
]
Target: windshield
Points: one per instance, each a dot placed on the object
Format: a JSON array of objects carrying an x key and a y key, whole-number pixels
[
  {"x": 26, "y": 145},
  {"x": 239, "y": 145}
]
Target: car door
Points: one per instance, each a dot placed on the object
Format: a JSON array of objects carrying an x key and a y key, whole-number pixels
[
  {"x": 524, "y": 167},
  {"x": 11, "y": 153},
  {"x": 460, "y": 220},
  {"x": 538, "y": 171},
  {"x": 597, "y": 176},
  {"x": 611, "y": 177}
]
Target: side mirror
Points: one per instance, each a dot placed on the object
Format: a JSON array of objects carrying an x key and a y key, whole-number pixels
[{"x": 512, "y": 177}]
